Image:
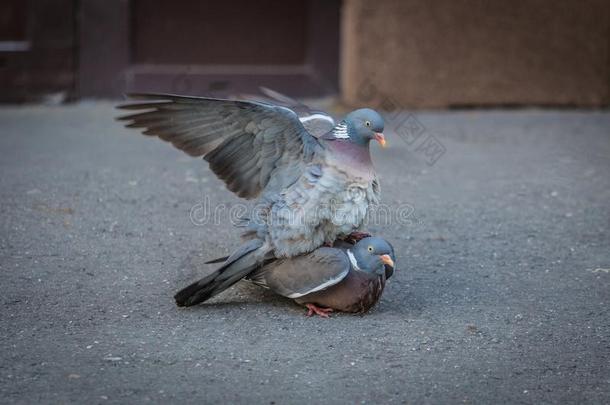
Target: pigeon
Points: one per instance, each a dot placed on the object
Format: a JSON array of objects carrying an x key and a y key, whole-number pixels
[
  {"x": 309, "y": 190},
  {"x": 347, "y": 278}
]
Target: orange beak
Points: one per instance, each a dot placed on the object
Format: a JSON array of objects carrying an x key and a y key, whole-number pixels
[
  {"x": 380, "y": 138},
  {"x": 386, "y": 259}
]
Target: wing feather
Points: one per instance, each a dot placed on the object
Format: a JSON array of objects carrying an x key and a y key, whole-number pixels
[
  {"x": 317, "y": 123},
  {"x": 302, "y": 275},
  {"x": 244, "y": 142}
]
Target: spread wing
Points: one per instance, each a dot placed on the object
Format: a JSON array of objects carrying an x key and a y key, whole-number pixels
[
  {"x": 302, "y": 275},
  {"x": 246, "y": 143}
]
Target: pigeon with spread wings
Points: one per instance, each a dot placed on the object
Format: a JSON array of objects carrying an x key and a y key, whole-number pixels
[{"x": 309, "y": 191}]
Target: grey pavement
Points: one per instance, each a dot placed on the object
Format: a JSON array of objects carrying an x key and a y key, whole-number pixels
[{"x": 501, "y": 296}]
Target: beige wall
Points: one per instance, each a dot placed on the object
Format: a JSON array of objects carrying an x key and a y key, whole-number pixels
[{"x": 443, "y": 53}]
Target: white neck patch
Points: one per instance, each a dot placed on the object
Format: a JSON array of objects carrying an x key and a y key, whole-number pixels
[
  {"x": 340, "y": 131},
  {"x": 353, "y": 260}
]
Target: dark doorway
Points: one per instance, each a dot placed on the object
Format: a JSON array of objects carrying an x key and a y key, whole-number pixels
[{"x": 196, "y": 47}]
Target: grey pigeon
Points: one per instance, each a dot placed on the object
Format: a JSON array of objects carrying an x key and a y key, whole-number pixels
[
  {"x": 348, "y": 278},
  {"x": 309, "y": 190}
]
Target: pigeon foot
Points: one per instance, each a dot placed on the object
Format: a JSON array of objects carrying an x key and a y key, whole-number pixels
[{"x": 313, "y": 309}]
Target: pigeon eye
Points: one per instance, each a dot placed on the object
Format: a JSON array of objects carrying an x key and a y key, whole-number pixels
[
  {"x": 370, "y": 248},
  {"x": 367, "y": 123}
]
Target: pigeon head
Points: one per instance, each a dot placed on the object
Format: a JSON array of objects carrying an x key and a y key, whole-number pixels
[
  {"x": 360, "y": 126},
  {"x": 373, "y": 255}
]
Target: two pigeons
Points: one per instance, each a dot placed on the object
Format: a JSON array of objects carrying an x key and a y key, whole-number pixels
[{"x": 313, "y": 181}]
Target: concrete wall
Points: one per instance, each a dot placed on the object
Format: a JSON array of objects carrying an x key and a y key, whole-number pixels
[{"x": 444, "y": 53}]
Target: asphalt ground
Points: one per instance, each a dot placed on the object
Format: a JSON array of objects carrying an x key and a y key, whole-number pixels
[{"x": 501, "y": 295}]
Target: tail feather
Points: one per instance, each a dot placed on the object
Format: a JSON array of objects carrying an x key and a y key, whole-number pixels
[
  {"x": 218, "y": 260},
  {"x": 246, "y": 259}
]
